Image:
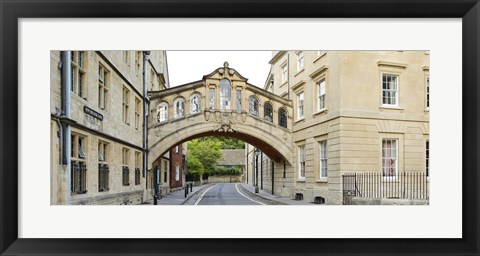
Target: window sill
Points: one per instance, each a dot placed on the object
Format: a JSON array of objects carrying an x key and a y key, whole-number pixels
[
  {"x": 319, "y": 57},
  {"x": 392, "y": 107},
  {"x": 426, "y": 110},
  {"x": 298, "y": 72},
  {"x": 302, "y": 180},
  {"x": 78, "y": 193},
  {"x": 325, "y": 110},
  {"x": 78, "y": 96},
  {"x": 283, "y": 84},
  {"x": 322, "y": 180},
  {"x": 299, "y": 120}
]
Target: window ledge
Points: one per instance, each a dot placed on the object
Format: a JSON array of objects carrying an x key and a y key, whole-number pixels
[
  {"x": 426, "y": 110},
  {"x": 319, "y": 57},
  {"x": 302, "y": 180},
  {"x": 322, "y": 180},
  {"x": 283, "y": 84},
  {"x": 382, "y": 107},
  {"x": 299, "y": 120},
  {"x": 325, "y": 110},
  {"x": 298, "y": 72}
]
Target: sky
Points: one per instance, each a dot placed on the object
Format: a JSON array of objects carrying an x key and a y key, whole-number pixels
[{"x": 188, "y": 66}]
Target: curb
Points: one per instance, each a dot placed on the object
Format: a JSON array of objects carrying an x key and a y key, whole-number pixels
[
  {"x": 195, "y": 192},
  {"x": 258, "y": 197}
]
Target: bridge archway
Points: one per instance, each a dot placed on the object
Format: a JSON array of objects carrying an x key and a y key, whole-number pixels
[{"x": 223, "y": 103}]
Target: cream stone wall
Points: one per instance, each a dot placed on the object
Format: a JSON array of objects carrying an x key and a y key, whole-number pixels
[
  {"x": 124, "y": 73},
  {"x": 354, "y": 121}
]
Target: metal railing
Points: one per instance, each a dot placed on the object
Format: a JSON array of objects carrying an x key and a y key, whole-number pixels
[{"x": 405, "y": 185}]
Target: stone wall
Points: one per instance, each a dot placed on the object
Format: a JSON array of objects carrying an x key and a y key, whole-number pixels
[{"x": 388, "y": 201}]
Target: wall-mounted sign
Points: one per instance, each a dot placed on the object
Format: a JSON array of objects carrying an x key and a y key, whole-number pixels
[{"x": 93, "y": 113}]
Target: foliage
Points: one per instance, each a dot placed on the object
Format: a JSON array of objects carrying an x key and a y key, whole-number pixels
[
  {"x": 226, "y": 142},
  {"x": 202, "y": 156},
  {"x": 227, "y": 170}
]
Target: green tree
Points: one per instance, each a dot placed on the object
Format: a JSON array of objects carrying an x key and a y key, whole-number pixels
[
  {"x": 202, "y": 156},
  {"x": 226, "y": 142}
]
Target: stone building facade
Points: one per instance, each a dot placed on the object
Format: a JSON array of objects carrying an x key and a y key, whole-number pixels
[
  {"x": 98, "y": 147},
  {"x": 354, "y": 111}
]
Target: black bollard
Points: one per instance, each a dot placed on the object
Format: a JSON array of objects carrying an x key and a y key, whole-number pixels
[
  {"x": 186, "y": 191},
  {"x": 191, "y": 187}
]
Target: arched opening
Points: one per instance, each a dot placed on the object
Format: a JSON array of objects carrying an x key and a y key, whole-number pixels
[
  {"x": 162, "y": 112},
  {"x": 253, "y": 106},
  {"x": 225, "y": 94},
  {"x": 282, "y": 117},
  {"x": 179, "y": 108},
  {"x": 195, "y": 103},
  {"x": 268, "y": 112}
]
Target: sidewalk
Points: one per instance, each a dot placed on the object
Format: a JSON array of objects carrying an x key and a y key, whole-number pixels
[
  {"x": 270, "y": 199},
  {"x": 178, "y": 197}
]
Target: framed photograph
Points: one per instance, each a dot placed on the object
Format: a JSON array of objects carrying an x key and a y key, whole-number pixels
[{"x": 81, "y": 184}]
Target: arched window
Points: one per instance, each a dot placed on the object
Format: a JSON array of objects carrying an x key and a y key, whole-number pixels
[
  {"x": 195, "y": 104},
  {"x": 179, "y": 107},
  {"x": 253, "y": 106},
  {"x": 268, "y": 112},
  {"x": 225, "y": 94},
  {"x": 162, "y": 112},
  {"x": 282, "y": 118}
]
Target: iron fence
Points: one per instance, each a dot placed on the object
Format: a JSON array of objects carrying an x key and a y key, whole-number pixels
[{"x": 405, "y": 185}]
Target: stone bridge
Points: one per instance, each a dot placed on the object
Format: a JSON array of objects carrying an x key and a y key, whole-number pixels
[{"x": 223, "y": 103}]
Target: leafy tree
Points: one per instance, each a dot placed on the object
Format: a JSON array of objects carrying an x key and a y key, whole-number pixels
[
  {"x": 202, "y": 156},
  {"x": 226, "y": 142}
]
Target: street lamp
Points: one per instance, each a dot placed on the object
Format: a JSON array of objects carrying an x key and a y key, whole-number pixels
[{"x": 257, "y": 152}]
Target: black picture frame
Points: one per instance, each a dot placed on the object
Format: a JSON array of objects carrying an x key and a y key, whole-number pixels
[{"x": 11, "y": 11}]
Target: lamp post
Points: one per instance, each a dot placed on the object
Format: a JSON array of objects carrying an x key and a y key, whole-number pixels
[{"x": 257, "y": 152}]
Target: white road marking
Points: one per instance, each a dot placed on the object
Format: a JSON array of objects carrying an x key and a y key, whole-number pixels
[
  {"x": 236, "y": 187},
  {"x": 201, "y": 196}
]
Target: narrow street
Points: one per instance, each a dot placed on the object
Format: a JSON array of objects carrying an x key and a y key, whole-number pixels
[{"x": 224, "y": 194}]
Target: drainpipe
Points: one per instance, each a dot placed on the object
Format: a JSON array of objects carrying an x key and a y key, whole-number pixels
[
  {"x": 288, "y": 73},
  {"x": 66, "y": 85},
  {"x": 146, "y": 56},
  {"x": 273, "y": 177},
  {"x": 246, "y": 165},
  {"x": 261, "y": 171}
]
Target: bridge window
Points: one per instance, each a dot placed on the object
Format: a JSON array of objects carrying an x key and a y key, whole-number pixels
[
  {"x": 268, "y": 112},
  {"x": 195, "y": 104},
  {"x": 253, "y": 106},
  {"x": 179, "y": 106},
  {"x": 239, "y": 100},
  {"x": 162, "y": 112},
  {"x": 282, "y": 118},
  {"x": 211, "y": 94},
  {"x": 225, "y": 94}
]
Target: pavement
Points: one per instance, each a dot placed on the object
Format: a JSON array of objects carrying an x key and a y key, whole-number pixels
[
  {"x": 268, "y": 198},
  {"x": 178, "y": 197},
  {"x": 226, "y": 194}
]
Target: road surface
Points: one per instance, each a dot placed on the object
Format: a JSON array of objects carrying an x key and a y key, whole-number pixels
[{"x": 225, "y": 194}]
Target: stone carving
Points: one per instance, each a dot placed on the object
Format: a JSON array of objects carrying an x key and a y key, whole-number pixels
[
  {"x": 157, "y": 130},
  {"x": 225, "y": 124}
]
